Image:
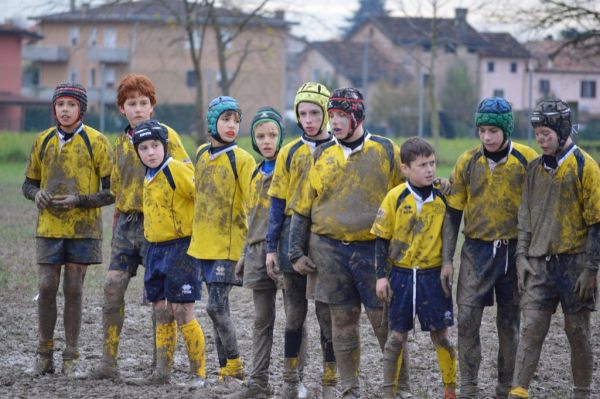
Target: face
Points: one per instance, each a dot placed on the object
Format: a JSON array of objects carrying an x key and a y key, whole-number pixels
[
  {"x": 67, "y": 112},
  {"x": 340, "y": 124},
  {"x": 228, "y": 126},
  {"x": 310, "y": 117},
  {"x": 421, "y": 171},
  {"x": 137, "y": 109},
  {"x": 266, "y": 136},
  {"x": 547, "y": 139},
  {"x": 492, "y": 137},
  {"x": 152, "y": 153}
]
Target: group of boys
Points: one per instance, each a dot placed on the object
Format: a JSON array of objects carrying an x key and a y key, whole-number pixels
[{"x": 344, "y": 217}]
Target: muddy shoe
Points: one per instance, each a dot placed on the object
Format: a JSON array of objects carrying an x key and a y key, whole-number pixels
[
  {"x": 196, "y": 383},
  {"x": 302, "y": 391},
  {"x": 353, "y": 393},
  {"x": 289, "y": 390},
  {"x": 252, "y": 390},
  {"x": 329, "y": 392},
  {"x": 153, "y": 379},
  {"x": 69, "y": 368},
  {"x": 449, "y": 393},
  {"x": 43, "y": 365},
  {"x": 102, "y": 372},
  {"x": 402, "y": 394}
]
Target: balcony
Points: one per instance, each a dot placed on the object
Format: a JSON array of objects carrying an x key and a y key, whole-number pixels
[
  {"x": 56, "y": 54},
  {"x": 108, "y": 55}
]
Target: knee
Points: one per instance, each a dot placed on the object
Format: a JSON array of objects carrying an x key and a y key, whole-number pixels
[
  {"x": 47, "y": 286},
  {"x": 163, "y": 314},
  {"x": 215, "y": 310},
  {"x": 345, "y": 319},
  {"x": 295, "y": 315},
  {"x": 183, "y": 313},
  {"x": 468, "y": 322},
  {"x": 115, "y": 286}
]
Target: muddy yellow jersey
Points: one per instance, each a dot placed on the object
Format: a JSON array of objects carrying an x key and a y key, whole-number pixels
[
  {"x": 558, "y": 207},
  {"x": 169, "y": 202},
  {"x": 222, "y": 193},
  {"x": 127, "y": 178},
  {"x": 258, "y": 206},
  {"x": 413, "y": 227},
  {"x": 72, "y": 167},
  {"x": 489, "y": 193},
  {"x": 344, "y": 188},
  {"x": 292, "y": 161}
]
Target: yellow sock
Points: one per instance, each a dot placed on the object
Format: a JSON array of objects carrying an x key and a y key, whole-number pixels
[
  {"x": 46, "y": 346},
  {"x": 166, "y": 341},
  {"x": 329, "y": 374},
  {"x": 447, "y": 366},
  {"x": 234, "y": 368},
  {"x": 519, "y": 392},
  {"x": 397, "y": 370},
  {"x": 111, "y": 341},
  {"x": 194, "y": 343}
]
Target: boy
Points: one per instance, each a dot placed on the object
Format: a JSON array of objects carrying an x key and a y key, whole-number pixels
[
  {"x": 487, "y": 182},
  {"x": 558, "y": 251},
  {"x": 222, "y": 180},
  {"x": 310, "y": 105},
  {"x": 338, "y": 202},
  {"x": 171, "y": 276},
  {"x": 67, "y": 166},
  {"x": 409, "y": 231},
  {"x": 136, "y": 99},
  {"x": 262, "y": 279}
]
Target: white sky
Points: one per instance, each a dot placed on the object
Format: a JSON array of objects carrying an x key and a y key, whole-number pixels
[{"x": 319, "y": 19}]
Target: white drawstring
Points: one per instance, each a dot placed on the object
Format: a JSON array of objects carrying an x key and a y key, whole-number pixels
[
  {"x": 414, "y": 294},
  {"x": 498, "y": 244}
]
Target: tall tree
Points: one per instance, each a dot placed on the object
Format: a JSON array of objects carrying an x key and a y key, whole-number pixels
[{"x": 366, "y": 10}]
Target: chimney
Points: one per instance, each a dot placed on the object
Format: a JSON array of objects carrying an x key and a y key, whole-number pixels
[{"x": 460, "y": 15}]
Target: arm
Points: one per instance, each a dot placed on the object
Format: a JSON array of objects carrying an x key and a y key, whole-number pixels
[
  {"x": 31, "y": 191},
  {"x": 299, "y": 230},
  {"x": 382, "y": 267},
  {"x": 449, "y": 236},
  {"x": 585, "y": 286},
  {"x": 276, "y": 218}
]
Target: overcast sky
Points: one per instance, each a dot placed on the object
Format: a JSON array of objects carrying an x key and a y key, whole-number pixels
[{"x": 318, "y": 19}]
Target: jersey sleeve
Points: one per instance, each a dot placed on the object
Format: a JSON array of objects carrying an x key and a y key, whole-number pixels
[
  {"x": 591, "y": 192},
  {"x": 33, "y": 169},
  {"x": 383, "y": 227},
  {"x": 245, "y": 170},
  {"x": 457, "y": 198},
  {"x": 103, "y": 156},
  {"x": 115, "y": 174},
  {"x": 397, "y": 177},
  {"x": 305, "y": 193},
  {"x": 176, "y": 148},
  {"x": 281, "y": 178}
]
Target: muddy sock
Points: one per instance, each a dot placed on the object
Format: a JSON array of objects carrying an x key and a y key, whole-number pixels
[
  {"x": 194, "y": 343},
  {"x": 347, "y": 354},
  {"x": 577, "y": 327},
  {"x": 330, "y": 377},
  {"x": 534, "y": 327},
  {"x": 234, "y": 368},
  {"x": 48, "y": 282},
  {"x": 112, "y": 322},
  {"x": 392, "y": 364},
  {"x": 447, "y": 362},
  {"x": 218, "y": 311},
  {"x": 507, "y": 324},
  {"x": 73, "y": 292},
  {"x": 262, "y": 334},
  {"x": 166, "y": 341},
  {"x": 469, "y": 348}
]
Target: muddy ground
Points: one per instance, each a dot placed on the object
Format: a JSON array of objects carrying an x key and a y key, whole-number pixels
[{"x": 18, "y": 335}]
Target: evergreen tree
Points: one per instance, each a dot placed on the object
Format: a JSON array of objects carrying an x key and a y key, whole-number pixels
[{"x": 366, "y": 9}]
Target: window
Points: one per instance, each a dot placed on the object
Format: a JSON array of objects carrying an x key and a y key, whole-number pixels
[
  {"x": 499, "y": 93},
  {"x": 491, "y": 66},
  {"x": 226, "y": 35},
  {"x": 197, "y": 37},
  {"x": 191, "y": 78},
  {"x": 588, "y": 89},
  {"x": 92, "y": 77},
  {"x": 92, "y": 41},
  {"x": 110, "y": 77},
  {"x": 544, "y": 87},
  {"x": 513, "y": 67},
  {"x": 73, "y": 75},
  {"x": 73, "y": 36},
  {"x": 110, "y": 38}
]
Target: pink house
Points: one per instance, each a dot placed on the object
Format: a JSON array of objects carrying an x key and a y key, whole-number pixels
[{"x": 11, "y": 101}]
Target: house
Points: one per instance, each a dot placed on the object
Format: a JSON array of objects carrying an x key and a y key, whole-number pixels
[
  {"x": 571, "y": 74},
  {"x": 11, "y": 100},
  {"x": 96, "y": 46}
]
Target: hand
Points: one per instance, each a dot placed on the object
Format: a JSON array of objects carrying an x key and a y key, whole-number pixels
[
  {"x": 115, "y": 220},
  {"x": 272, "y": 263},
  {"x": 447, "y": 275},
  {"x": 523, "y": 269},
  {"x": 42, "y": 199},
  {"x": 239, "y": 269},
  {"x": 444, "y": 185},
  {"x": 585, "y": 286},
  {"x": 383, "y": 289},
  {"x": 65, "y": 202},
  {"x": 304, "y": 265}
]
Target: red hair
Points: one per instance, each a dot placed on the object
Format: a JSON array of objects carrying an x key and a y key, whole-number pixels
[{"x": 133, "y": 84}]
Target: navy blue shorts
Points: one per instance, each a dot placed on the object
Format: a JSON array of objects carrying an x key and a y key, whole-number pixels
[
  {"x": 482, "y": 273},
  {"x": 171, "y": 273},
  {"x": 217, "y": 271},
  {"x": 345, "y": 272},
  {"x": 128, "y": 245},
  {"x": 58, "y": 251},
  {"x": 554, "y": 282},
  {"x": 432, "y": 306}
]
